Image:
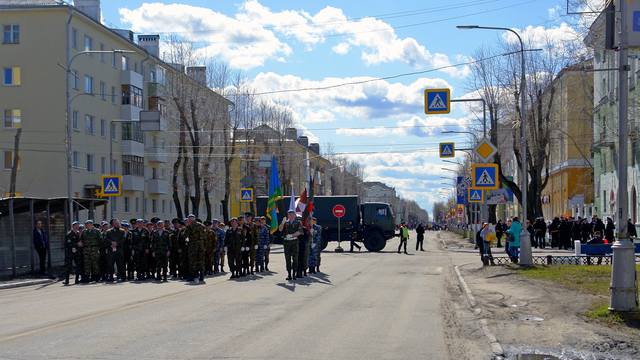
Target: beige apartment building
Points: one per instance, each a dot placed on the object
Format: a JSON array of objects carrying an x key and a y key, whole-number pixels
[{"x": 108, "y": 91}]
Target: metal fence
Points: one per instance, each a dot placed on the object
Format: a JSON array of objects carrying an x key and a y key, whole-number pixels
[{"x": 564, "y": 260}]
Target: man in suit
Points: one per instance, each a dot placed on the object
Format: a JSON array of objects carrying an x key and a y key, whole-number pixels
[{"x": 41, "y": 244}]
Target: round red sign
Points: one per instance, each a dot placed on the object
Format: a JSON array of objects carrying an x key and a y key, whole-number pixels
[{"x": 339, "y": 211}]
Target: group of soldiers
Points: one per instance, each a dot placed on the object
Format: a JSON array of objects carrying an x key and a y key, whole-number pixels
[{"x": 186, "y": 249}]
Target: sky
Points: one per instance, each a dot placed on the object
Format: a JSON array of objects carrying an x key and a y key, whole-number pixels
[{"x": 300, "y": 44}]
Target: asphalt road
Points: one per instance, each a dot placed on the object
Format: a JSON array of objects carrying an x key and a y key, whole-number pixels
[{"x": 363, "y": 306}]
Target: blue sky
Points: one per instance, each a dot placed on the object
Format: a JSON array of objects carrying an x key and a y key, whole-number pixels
[{"x": 291, "y": 44}]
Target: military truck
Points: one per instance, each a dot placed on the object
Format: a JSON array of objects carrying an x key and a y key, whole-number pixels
[{"x": 370, "y": 223}]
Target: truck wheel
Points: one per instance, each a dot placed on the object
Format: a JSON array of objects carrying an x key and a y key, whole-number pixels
[{"x": 374, "y": 241}]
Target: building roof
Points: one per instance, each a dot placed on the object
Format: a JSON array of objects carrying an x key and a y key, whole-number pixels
[{"x": 15, "y": 3}]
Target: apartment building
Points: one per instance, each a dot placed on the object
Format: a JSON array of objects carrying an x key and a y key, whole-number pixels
[{"x": 112, "y": 80}]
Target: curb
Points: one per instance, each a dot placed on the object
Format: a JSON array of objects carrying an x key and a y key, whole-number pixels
[
  {"x": 25, "y": 283},
  {"x": 496, "y": 348}
]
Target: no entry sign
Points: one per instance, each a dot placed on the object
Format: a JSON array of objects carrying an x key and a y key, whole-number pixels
[{"x": 339, "y": 211}]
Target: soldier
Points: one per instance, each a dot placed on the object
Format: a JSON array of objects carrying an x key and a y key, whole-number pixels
[
  {"x": 251, "y": 229},
  {"x": 304, "y": 248},
  {"x": 140, "y": 245},
  {"x": 209, "y": 247},
  {"x": 70, "y": 250},
  {"x": 92, "y": 241},
  {"x": 174, "y": 260},
  {"x": 127, "y": 251},
  {"x": 116, "y": 237},
  {"x": 233, "y": 240},
  {"x": 263, "y": 244},
  {"x": 316, "y": 246},
  {"x": 161, "y": 245},
  {"x": 151, "y": 261},
  {"x": 195, "y": 235},
  {"x": 292, "y": 228},
  {"x": 218, "y": 255},
  {"x": 104, "y": 246}
]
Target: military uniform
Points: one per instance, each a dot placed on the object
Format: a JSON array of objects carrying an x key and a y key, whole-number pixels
[
  {"x": 127, "y": 250},
  {"x": 140, "y": 243},
  {"x": 92, "y": 242},
  {"x": 233, "y": 240},
  {"x": 291, "y": 246},
  {"x": 174, "y": 257},
  {"x": 218, "y": 255},
  {"x": 304, "y": 248},
  {"x": 252, "y": 244},
  {"x": 316, "y": 248},
  {"x": 263, "y": 246},
  {"x": 116, "y": 238},
  {"x": 209, "y": 248},
  {"x": 196, "y": 235},
  {"x": 70, "y": 251},
  {"x": 161, "y": 247}
]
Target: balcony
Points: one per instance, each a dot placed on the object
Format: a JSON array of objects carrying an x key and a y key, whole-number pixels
[
  {"x": 157, "y": 186},
  {"x": 132, "y": 183},
  {"x": 130, "y": 112},
  {"x": 157, "y": 155},
  {"x": 131, "y": 147},
  {"x": 132, "y": 78},
  {"x": 156, "y": 90}
]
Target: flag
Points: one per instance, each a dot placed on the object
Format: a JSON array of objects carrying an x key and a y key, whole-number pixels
[
  {"x": 275, "y": 194},
  {"x": 308, "y": 211},
  {"x": 301, "y": 203}
]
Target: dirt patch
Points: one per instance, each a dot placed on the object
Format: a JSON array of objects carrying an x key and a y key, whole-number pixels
[
  {"x": 530, "y": 316},
  {"x": 453, "y": 241}
]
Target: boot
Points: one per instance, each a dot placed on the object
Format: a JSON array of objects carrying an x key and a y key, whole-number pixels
[{"x": 289, "y": 277}]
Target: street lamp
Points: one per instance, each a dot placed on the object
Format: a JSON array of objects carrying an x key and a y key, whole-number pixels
[
  {"x": 69, "y": 126},
  {"x": 525, "y": 244}
]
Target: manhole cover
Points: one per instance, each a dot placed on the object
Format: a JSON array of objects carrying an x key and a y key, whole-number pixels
[
  {"x": 531, "y": 318},
  {"x": 536, "y": 357}
]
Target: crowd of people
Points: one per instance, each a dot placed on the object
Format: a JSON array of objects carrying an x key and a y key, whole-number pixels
[{"x": 187, "y": 249}]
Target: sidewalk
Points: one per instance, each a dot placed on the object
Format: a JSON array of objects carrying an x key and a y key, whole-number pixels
[{"x": 22, "y": 282}]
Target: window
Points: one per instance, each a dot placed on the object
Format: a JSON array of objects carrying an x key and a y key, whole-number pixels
[
  {"x": 74, "y": 38},
  {"x": 11, "y": 76},
  {"x": 102, "y": 54},
  {"x": 90, "y": 167},
  {"x": 113, "y": 94},
  {"x": 126, "y": 204},
  {"x": 137, "y": 204},
  {"x": 132, "y": 95},
  {"x": 12, "y": 118},
  {"x": 76, "y": 159},
  {"x": 11, "y": 34},
  {"x": 88, "y": 43},
  {"x": 103, "y": 165},
  {"x": 74, "y": 79},
  {"x": 154, "y": 206},
  {"x": 125, "y": 63},
  {"x": 103, "y": 127},
  {"x": 164, "y": 206},
  {"x": 154, "y": 173},
  {"x": 132, "y": 131},
  {"x": 88, "y": 84},
  {"x": 89, "y": 125},
  {"x": 103, "y": 91},
  {"x": 132, "y": 165},
  {"x": 113, "y": 132},
  {"x": 8, "y": 159},
  {"x": 74, "y": 120}
]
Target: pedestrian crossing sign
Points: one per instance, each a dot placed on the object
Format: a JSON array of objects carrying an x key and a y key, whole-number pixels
[
  {"x": 437, "y": 101},
  {"x": 447, "y": 150},
  {"x": 485, "y": 176},
  {"x": 111, "y": 185},
  {"x": 476, "y": 195},
  {"x": 246, "y": 195}
]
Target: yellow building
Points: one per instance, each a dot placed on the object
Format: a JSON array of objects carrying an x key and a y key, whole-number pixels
[{"x": 569, "y": 190}]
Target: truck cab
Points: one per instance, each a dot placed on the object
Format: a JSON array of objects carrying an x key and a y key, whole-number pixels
[{"x": 377, "y": 225}]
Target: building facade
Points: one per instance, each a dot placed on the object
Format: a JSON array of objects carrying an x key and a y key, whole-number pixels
[{"x": 112, "y": 80}]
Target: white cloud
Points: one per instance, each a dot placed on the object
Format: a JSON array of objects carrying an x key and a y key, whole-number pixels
[
  {"x": 559, "y": 39},
  {"x": 342, "y": 48}
]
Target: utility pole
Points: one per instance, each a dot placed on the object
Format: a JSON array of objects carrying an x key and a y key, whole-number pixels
[{"x": 624, "y": 289}]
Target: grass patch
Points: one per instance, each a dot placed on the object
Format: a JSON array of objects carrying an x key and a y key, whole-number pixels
[{"x": 601, "y": 312}]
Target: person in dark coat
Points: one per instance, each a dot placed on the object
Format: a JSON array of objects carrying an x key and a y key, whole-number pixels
[
  {"x": 540, "y": 232},
  {"x": 41, "y": 244},
  {"x": 499, "y": 232},
  {"x": 576, "y": 231},
  {"x": 598, "y": 225},
  {"x": 565, "y": 234},
  {"x": 586, "y": 230},
  {"x": 631, "y": 229},
  {"x": 609, "y": 231},
  {"x": 480, "y": 244},
  {"x": 531, "y": 231},
  {"x": 419, "y": 243},
  {"x": 554, "y": 231}
]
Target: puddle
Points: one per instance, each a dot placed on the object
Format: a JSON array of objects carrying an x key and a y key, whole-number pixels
[{"x": 530, "y": 318}]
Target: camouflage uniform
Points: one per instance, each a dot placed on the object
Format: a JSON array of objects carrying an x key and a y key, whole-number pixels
[
  {"x": 140, "y": 242},
  {"x": 161, "y": 245},
  {"x": 196, "y": 233},
  {"x": 209, "y": 249},
  {"x": 127, "y": 255},
  {"x": 174, "y": 258},
  {"x": 115, "y": 237},
  {"x": 234, "y": 239},
  {"x": 92, "y": 241},
  {"x": 218, "y": 255},
  {"x": 304, "y": 248},
  {"x": 316, "y": 248},
  {"x": 263, "y": 246}
]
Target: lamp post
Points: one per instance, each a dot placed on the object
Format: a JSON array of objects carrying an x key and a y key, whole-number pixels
[
  {"x": 68, "y": 98},
  {"x": 525, "y": 243}
]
